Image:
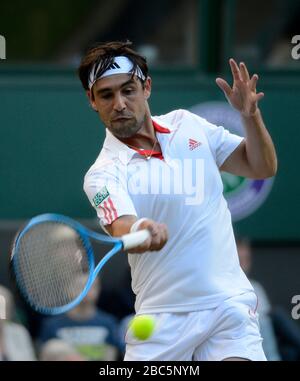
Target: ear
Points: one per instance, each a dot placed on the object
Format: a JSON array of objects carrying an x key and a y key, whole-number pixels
[
  {"x": 91, "y": 98},
  {"x": 147, "y": 88}
]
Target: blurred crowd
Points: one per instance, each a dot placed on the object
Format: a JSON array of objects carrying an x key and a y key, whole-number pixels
[
  {"x": 92, "y": 331},
  {"x": 96, "y": 328}
]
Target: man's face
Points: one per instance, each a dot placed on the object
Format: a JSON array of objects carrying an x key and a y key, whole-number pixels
[
  {"x": 121, "y": 102},
  {"x": 244, "y": 253}
]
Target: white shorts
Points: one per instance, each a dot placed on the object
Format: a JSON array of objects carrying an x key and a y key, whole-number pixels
[{"x": 230, "y": 330}]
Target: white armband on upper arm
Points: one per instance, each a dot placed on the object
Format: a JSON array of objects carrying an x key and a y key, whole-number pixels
[{"x": 109, "y": 196}]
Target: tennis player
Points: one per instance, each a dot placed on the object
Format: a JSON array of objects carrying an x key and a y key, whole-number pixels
[{"x": 163, "y": 173}]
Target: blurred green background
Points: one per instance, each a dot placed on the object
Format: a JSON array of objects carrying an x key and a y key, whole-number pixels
[{"x": 49, "y": 135}]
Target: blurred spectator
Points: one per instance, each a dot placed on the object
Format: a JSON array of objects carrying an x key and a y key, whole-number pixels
[
  {"x": 288, "y": 334},
  {"x": 91, "y": 331},
  {"x": 123, "y": 327},
  {"x": 281, "y": 334},
  {"x": 120, "y": 302},
  {"x": 15, "y": 341},
  {"x": 59, "y": 350},
  {"x": 2, "y": 349},
  {"x": 264, "y": 305}
]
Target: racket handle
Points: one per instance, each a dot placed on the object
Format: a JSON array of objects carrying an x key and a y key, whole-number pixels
[{"x": 135, "y": 239}]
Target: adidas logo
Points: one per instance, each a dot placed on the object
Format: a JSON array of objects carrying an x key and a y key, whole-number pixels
[
  {"x": 113, "y": 66},
  {"x": 193, "y": 144}
]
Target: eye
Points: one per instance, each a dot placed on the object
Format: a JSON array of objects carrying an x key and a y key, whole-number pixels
[
  {"x": 129, "y": 91},
  {"x": 106, "y": 96}
]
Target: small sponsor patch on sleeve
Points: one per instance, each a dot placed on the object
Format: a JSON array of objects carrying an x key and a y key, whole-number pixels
[{"x": 100, "y": 196}]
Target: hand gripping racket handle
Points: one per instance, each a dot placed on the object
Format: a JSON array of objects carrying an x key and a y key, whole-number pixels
[{"x": 135, "y": 239}]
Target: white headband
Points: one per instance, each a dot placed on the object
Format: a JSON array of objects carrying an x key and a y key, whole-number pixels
[{"x": 121, "y": 65}]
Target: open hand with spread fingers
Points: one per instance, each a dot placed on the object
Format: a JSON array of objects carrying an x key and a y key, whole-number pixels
[{"x": 242, "y": 96}]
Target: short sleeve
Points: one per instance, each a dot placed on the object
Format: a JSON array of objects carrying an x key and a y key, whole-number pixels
[
  {"x": 222, "y": 143},
  {"x": 107, "y": 192}
]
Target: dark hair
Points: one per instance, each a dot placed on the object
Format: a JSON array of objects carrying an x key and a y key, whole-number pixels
[{"x": 105, "y": 52}]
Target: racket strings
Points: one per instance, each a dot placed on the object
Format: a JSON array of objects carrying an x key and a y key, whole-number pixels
[{"x": 51, "y": 264}]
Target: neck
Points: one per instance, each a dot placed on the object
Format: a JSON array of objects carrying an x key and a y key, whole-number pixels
[{"x": 145, "y": 138}]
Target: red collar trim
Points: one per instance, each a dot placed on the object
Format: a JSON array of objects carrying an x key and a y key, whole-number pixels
[
  {"x": 156, "y": 154},
  {"x": 147, "y": 152},
  {"x": 158, "y": 128}
]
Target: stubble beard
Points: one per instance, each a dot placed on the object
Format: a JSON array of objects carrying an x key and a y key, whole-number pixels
[{"x": 125, "y": 129}]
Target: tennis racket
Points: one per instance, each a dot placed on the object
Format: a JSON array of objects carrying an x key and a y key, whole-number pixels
[{"x": 53, "y": 261}]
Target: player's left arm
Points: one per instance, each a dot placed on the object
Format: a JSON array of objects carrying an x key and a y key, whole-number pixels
[{"x": 255, "y": 157}]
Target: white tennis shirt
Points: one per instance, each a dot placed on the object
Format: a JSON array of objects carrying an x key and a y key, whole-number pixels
[{"x": 198, "y": 267}]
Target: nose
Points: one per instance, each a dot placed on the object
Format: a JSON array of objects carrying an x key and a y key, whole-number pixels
[{"x": 119, "y": 103}]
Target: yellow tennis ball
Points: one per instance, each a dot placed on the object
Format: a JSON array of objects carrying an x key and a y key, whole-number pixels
[{"x": 142, "y": 326}]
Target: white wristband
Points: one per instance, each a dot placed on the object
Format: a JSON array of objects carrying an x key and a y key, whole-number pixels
[{"x": 136, "y": 225}]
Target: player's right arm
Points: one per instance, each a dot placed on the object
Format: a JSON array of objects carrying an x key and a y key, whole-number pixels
[
  {"x": 108, "y": 194},
  {"x": 158, "y": 231}
]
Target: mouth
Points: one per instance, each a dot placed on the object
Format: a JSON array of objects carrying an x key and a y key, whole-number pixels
[{"x": 121, "y": 119}]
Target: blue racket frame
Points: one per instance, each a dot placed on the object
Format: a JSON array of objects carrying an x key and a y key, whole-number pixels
[{"x": 85, "y": 234}]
